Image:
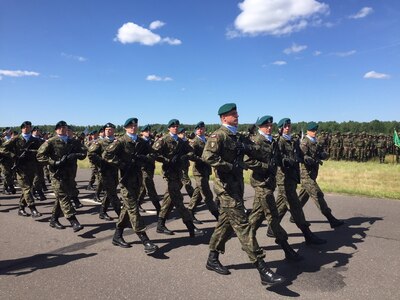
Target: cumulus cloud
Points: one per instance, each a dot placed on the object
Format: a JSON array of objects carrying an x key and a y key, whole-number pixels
[
  {"x": 295, "y": 49},
  {"x": 17, "y": 73},
  {"x": 317, "y": 53},
  {"x": 365, "y": 11},
  {"x": 74, "y": 57},
  {"x": 158, "y": 78},
  {"x": 276, "y": 17},
  {"x": 376, "y": 75},
  {"x": 156, "y": 24},
  {"x": 344, "y": 54},
  {"x": 279, "y": 63},
  {"x": 132, "y": 33}
]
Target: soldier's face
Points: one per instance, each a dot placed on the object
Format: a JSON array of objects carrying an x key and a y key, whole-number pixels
[
  {"x": 146, "y": 133},
  {"x": 131, "y": 128},
  {"x": 266, "y": 128},
  {"x": 62, "y": 130},
  {"x": 26, "y": 129},
  {"x": 109, "y": 131},
  {"x": 173, "y": 129},
  {"x": 311, "y": 133},
  {"x": 200, "y": 131},
  {"x": 231, "y": 118},
  {"x": 287, "y": 128}
]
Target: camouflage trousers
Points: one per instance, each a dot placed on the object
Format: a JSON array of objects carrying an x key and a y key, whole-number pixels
[
  {"x": 234, "y": 219},
  {"x": 287, "y": 199},
  {"x": 110, "y": 184},
  {"x": 187, "y": 183},
  {"x": 174, "y": 198},
  {"x": 148, "y": 187},
  {"x": 62, "y": 204},
  {"x": 264, "y": 207},
  {"x": 38, "y": 181},
  {"x": 130, "y": 211},
  {"x": 5, "y": 167},
  {"x": 202, "y": 191},
  {"x": 310, "y": 188},
  {"x": 25, "y": 181}
]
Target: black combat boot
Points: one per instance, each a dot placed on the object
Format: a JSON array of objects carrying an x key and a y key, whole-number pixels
[
  {"x": 54, "y": 223},
  {"x": 267, "y": 276},
  {"x": 215, "y": 214},
  {"x": 161, "y": 228},
  {"x": 291, "y": 220},
  {"x": 311, "y": 238},
  {"x": 34, "y": 212},
  {"x": 290, "y": 254},
  {"x": 270, "y": 233},
  {"x": 149, "y": 247},
  {"x": 214, "y": 264},
  {"x": 193, "y": 231},
  {"x": 97, "y": 197},
  {"x": 76, "y": 226},
  {"x": 333, "y": 221},
  {"x": 22, "y": 212},
  {"x": 76, "y": 202},
  {"x": 103, "y": 214},
  {"x": 118, "y": 240},
  {"x": 195, "y": 221}
]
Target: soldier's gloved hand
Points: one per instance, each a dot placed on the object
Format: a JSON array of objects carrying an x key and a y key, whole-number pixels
[
  {"x": 323, "y": 155},
  {"x": 184, "y": 158},
  {"x": 61, "y": 162},
  {"x": 174, "y": 160},
  {"x": 243, "y": 147},
  {"x": 288, "y": 162},
  {"x": 309, "y": 161}
]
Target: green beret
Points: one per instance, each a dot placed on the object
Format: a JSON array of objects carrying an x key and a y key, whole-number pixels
[
  {"x": 26, "y": 123},
  {"x": 61, "y": 124},
  {"x": 130, "y": 121},
  {"x": 312, "y": 126},
  {"x": 145, "y": 128},
  {"x": 264, "y": 120},
  {"x": 173, "y": 122},
  {"x": 284, "y": 121},
  {"x": 110, "y": 125},
  {"x": 226, "y": 108},
  {"x": 35, "y": 128},
  {"x": 200, "y": 125},
  {"x": 181, "y": 129}
]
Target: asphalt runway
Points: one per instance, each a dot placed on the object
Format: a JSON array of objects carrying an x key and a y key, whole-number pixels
[{"x": 360, "y": 260}]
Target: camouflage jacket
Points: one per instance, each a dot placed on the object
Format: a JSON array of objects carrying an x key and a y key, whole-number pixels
[
  {"x": 200, "y": 168},
  {"x": 288, "y": 164},
  {"x": 97, "y": 151}
]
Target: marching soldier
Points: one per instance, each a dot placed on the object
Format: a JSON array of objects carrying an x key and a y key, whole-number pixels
[
  {"x": 263, "y": 163},
  {"x": 108, "y": 172},
  {"x": 201, "y": 173},
  {"x": 186, "y": 182},
  {"x": 313, "y": 156},
  {"x": 224, "y": 151},
  {"x": 172, "y": 151},
  {"x": 39, "y": 184},
  {"x": 23, "y": 149},
  {"x": 6, "y": 164},
  {"x": 129, "y": 153},
  {"x": 60, "y": 153}
]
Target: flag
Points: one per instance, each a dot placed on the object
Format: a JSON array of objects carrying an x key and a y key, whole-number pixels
[{"x": 396, "y": 139}]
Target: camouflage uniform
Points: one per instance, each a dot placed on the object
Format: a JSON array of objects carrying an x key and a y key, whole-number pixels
[
  {"x": 24, "y": 154},
  {"x": 6, "y": 164},
  {"x": 52, "y": 152},
  {"x": 381, "y": 146},
  {"x": 221, "y": 152}
]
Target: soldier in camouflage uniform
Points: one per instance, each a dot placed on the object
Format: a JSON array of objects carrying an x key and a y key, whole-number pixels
[
  {"x": 6, "y": 164},
  {"x": 348, "y": 146},
  {"x": 93, "y": 137},
  {"x": 263, "y": 163},
  {"x": 287, "y": 179},
  {"x": 23, "y": 149},
  {"x": 129, "y": 153},
  {"x": 336, "y": 146},
  {"x": 186, "y": 182},
  {"x": 313, "y": 155},
  {"x": 201, "y": 173},
  {"x": 381, "y": 146},
  {"x": 60, "y": 153},
  {"x": 224, "y": 151},
  {"x": 148, "y": 186},
  {"x": 107, "y": 171},
  {"x": 39, "y": 184},
  {"x": 172, "y": 151}
]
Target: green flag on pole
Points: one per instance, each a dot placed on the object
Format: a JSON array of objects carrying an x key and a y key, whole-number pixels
[{"x": 396, "y": 139}]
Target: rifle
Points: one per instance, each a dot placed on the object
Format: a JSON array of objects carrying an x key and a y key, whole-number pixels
[
  {"x": 21, "y": 156},
  {"x": 173, "y": 164},
  {"x": 64, "y": 157}
]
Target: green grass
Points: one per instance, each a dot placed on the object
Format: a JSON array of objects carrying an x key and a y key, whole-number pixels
[{"x": 370, "y": 179}]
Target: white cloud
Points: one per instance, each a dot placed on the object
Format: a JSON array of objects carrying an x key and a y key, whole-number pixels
[
  {"x": 276, "y": 17},
  {"x": 156, "y": 24},
  {"x": 158, "y": 78},
  {"x": 279, "y": 63},
  {"x": 295, "y": 49},
  {"x": 17, "y": 73},
  {"x": 344, "y": 54},
  {"x": 74, "y": 57},
  {"x": 365, "y": 11},
  {"x": 132, "y": 33},
  {"x": 317, "y": 53},
  {"x": 376, "y": 75}
]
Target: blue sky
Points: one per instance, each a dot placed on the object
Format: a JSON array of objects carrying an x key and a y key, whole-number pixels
[{"x": 91, "y": 62}]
